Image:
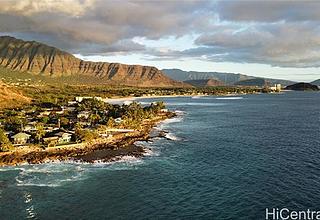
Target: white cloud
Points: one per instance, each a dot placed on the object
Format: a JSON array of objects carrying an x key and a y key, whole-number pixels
[{"x": 279, "y": 33}]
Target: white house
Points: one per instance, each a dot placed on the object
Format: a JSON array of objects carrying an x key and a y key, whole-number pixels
[
  {"x": 118, "y": 120},
  {"x": 20, "y": 138}
]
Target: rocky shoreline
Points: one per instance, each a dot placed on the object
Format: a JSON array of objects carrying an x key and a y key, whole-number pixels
[{"x": 102, "y": 152}]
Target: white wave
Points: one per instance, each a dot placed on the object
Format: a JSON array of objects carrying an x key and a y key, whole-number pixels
[
  {"x": 196, "y": 97},
  {"x": 179, "y": 112},
  {"x": 230, "y": 98},
  {"x": 142, "y": 143},
  {"x": 39, "y": 184},
  {"x": 172, "y": 137},
  {"x": 171, "y": 120},
  {"x": 128, "y": 160},
  {"x": 28, "y": 197},
  {"x": 31, "y": 214},
  {"x": 150, "y": 152},
  {"x": 119, "y": 163},
  {"x": 49, "y": 175}
]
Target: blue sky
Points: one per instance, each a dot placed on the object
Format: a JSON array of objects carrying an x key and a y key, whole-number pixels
[{"x": 279, "y": 39}]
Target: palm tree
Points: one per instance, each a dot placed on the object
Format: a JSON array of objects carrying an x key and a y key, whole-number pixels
[
  {"x": 40, "y": 132},
  {"x": 94, "y": 118}
]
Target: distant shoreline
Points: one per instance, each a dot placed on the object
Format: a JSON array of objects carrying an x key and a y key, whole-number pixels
[{"x": 131, "y": 98}]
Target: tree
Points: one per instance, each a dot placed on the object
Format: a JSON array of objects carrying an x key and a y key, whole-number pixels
[
  {"x": 64, "y": 122},
  {"x": 14, "y": 123},
  {"x": 5, "y": 144},
  {"x": 45, "y": 119},
  {"x": 85, "y": 135},
  {"x": 40, "y": 132},
  {"x": 94, "y": 118},
  {"x": 110, "y": 123}
]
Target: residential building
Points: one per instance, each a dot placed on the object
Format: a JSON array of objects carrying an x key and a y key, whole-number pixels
[{"x": 20, "y": 138}]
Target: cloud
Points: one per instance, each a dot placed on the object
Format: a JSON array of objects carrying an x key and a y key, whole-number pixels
[
  {"x": 31, "y": 7},
  {"x": 279, "y": 33},
  {"x": 106, "y": 23},
  {"x": 281, "y": 44},
  {"x": 269, "y": 11}
]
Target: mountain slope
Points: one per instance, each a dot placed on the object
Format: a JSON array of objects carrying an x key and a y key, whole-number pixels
[
  {"x": 204, "y": 82},
  {"x": 303, "y": 87},
  {"x": 40, "y": 59},
  {"x": 227, "y": 78},
  {"x": 252, "y": 82},
  {"x": 316, "y": 82},
  {"x": 9, "y": 97}
]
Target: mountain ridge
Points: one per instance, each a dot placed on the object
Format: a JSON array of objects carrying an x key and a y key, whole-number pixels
[
  {"x": 303, "y": 87},
  {"x": 316, "y": 82},
  {"x": 204, "y": 82},
  {"x": 227, "y": 78},
  {"x": 40, "y": 59}
]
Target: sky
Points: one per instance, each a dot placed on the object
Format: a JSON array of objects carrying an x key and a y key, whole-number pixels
[{"x": 279, "y": 39}]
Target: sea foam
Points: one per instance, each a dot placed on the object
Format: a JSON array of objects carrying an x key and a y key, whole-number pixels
[{"x": 172, "y": 137}]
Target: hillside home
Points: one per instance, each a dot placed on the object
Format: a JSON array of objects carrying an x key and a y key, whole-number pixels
[
  {"x": 118, "y": 120},
  {"x": 83, "y": 114},
  {"x": 20, "y": 138},
  {"x": 63, "y": 137}
]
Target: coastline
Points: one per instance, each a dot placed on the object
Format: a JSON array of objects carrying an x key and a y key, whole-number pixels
[
  {"x": 102, "y": 150},
  {"x": 132, "y": 98}
]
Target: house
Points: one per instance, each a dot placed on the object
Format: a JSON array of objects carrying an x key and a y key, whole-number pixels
[
  {"x": 127, "y": 102},
  {"x": 58, "y": 138},
  {"x": 70, "y": 109},
  {"x": 83, "y": 114},
  {"x": 63, "y": 137},
  {"x": 48, "y": 129},
  {"x": 80, "y": 98},
  {"x": 53, "y": 140},
  {"x": 20, "y": 138},
  {"x": 44, "y": 113},
  {"x": 118, "y": 120},
  {"x": 60, "y": 112},
  {"x": 72, "y": 103},
  {"x": 29, "y": 128},
  {"x": 276, "y": 87}
]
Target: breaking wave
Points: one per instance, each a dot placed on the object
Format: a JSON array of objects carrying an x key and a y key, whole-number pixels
[
  {"x": 49, "y": 175},
  {"x": 172, "y": 137},
  {"x": 58, "y": 173}
]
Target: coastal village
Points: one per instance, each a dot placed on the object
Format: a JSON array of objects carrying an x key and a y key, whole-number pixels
[
  {"x": 49, "y": 124},
  {"x": 83, "y": 119}
]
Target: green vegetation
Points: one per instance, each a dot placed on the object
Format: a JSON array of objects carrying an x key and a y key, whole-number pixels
[
  {"x": 48, "y": 124},
  {"x": 85, "y": 135},
  {"x": 63, "y": 93},
  {"x": 5, "y": 144}
]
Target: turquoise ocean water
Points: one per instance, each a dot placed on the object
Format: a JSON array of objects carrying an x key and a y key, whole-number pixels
[{"x": 228, "y": 158}]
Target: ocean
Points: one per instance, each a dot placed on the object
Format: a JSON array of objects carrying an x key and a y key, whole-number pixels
[{"x": 227, "y": 158}]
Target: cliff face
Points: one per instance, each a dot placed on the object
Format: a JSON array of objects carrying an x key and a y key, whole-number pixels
[{"x": 40, "y": 59}]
